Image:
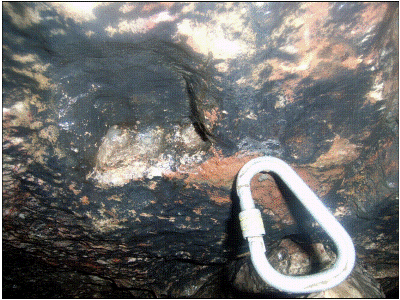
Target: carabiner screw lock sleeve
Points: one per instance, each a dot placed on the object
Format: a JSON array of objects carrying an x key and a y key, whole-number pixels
[{"x": 251, "y": 223}]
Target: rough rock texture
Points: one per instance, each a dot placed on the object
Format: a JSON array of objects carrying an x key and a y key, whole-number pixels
[{"x": 125, "y": 124}]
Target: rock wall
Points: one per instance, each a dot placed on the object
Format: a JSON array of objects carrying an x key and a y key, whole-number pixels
[{"x": 125, "y": 124}]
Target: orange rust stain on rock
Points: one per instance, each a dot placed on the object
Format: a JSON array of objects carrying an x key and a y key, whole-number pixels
[
  {"x": 197, "y": 210},
  {"x": 72, "y": 188},
  {"x": 212, "y": 116},
  {"x": 85, "y": 200},
  {"x": 267, "y": 194},
  {"x": 308, "y": 35},
  {"x": 372, "y": 15},
  {"x": 326, "y": 179},
  {"x": 219, "y": 171},
  {"x": 313, "y": 183},
  {"x": 340, "y": 153},
  {"x": 219, "y": 197}
]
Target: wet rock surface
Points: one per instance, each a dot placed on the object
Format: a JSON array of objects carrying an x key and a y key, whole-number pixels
[{"x": 125, "y": 124}]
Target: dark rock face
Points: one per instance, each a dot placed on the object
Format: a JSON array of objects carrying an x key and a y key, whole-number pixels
[{"x": 124, "y": 126}]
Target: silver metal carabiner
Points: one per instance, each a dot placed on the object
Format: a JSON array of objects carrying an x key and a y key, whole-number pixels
[{"x": 253, "y": 229}]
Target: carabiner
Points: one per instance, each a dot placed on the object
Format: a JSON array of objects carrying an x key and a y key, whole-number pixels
[{"x": 253, "y": 229}]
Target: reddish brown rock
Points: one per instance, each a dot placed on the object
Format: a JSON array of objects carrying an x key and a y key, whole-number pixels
[{"x": 125, "y": 124}]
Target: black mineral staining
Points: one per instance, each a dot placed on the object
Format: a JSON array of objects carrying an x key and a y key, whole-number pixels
[{"x": 159, "y": 237}]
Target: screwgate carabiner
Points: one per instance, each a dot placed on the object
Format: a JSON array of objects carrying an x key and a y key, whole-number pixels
[{"x": 253, "y": 229}]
